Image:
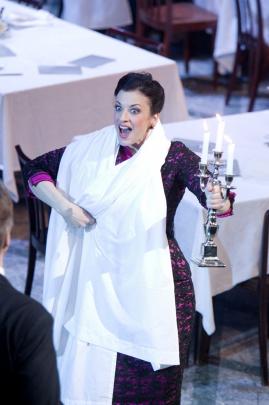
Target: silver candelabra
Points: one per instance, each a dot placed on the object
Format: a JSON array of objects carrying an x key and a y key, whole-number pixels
[{"x": 209, "y": 256}]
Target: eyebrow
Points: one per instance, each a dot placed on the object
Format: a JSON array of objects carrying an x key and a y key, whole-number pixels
[{"x": 132, "y": 105}]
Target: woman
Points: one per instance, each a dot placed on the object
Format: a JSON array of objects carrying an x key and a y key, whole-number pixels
[{"x": 116, "y": 281}]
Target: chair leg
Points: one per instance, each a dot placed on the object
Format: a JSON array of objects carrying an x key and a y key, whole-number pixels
[
  {"x": 186, "y": 52},
  {"x": 254, "y": 82},
  {"x": 233, "y": 76},
  {"x": 201, "y": 342},
  {"x": 215, "y": 64},
  {"x": 263, "y": 315},
  {"x": 166, "y": 44},
  {"x": 30, "y": 270},
  {"x": 215, "y": 74},
  {"x": 140, "y": 28},
  {"x": 60, "y": 9},
  {"x": 263, "y": 301}
]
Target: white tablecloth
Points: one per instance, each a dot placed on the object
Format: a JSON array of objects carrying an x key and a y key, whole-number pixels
[
  {"x": 97, "y": 14},
  {"x": 44, "y": 111},
  {"x": 226, "y": 35},
  {"x": 239, "y": 236}
]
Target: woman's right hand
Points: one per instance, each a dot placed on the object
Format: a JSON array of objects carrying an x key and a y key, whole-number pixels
[
  {"x": 72, "y": 213},
  {"x": 77, "y": 216}
]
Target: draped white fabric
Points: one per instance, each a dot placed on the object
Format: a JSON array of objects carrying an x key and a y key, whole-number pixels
[
  {"x": 111, "y": 285},
  {"x": 87, "y": 374}
]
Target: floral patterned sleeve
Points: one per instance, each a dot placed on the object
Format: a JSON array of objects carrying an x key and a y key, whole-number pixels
[
  {"x": 44, "y": 167},
  {"x": 188, "y": 168}
]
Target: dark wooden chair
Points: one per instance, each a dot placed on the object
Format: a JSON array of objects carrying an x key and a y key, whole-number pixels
[
  {"x": 33, "y": 3},
  {"x": 38, "y": 215},
  {"x": 136, "y": 40},
  {"x": 250, "y": 48},
  {"x": 173, "y": 19},
  {"x": 259, "y": 288}
]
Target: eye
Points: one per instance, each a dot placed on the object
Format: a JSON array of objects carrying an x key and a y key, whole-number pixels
[
  {"x": 135, "y": 110},
  {"x": 117, "y": 107}
]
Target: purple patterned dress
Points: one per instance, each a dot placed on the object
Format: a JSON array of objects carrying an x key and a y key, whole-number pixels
[{"x": 135, "y": 381}]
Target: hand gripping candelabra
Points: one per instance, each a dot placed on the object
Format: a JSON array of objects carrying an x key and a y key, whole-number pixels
[{"x": 209, "y": 248}]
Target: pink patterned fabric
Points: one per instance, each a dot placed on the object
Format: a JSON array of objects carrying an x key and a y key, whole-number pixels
[{"x": 38, "y": 177}]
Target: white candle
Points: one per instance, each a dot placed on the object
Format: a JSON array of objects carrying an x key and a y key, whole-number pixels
[
  {"x": 230, "y": 158},
  {"x": 220, "y": 134},
  {"x": 205, "y": 143}
]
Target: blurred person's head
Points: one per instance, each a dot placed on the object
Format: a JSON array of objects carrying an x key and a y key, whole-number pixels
[{"x": 6, "y": 220}]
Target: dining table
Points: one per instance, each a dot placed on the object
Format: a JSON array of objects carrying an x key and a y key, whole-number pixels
[
  {"x": 97, "y": 14},
  {"x": 57, "y": 80},
  {"x": 226, "y": 34},
  {"x": 239, "y": 236}
]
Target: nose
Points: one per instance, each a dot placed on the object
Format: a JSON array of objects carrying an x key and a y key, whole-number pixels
[{"x": 124, "y": 116}]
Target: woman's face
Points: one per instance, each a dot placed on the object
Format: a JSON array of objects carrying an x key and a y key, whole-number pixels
[{"x": 132, "y": 117}]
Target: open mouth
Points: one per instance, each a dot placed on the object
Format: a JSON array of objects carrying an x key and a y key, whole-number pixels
[{"x": 124, "y": 131}]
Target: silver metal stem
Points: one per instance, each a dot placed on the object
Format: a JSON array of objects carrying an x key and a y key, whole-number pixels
[{"x": 209, "y": 256}]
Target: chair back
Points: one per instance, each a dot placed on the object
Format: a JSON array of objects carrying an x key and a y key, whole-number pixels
[
  {"x": 33, "y": 3},
  {"x": 154, "y": 13},
  {"x": 174, "y": 21},
  {"x": 38, "y": 212},
  {"x": 249, "y": 23}
]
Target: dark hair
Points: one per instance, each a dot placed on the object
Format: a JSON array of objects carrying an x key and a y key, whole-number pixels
[
  {"x": 144, "y": 83},
  {"x": 6, "y": 214}
]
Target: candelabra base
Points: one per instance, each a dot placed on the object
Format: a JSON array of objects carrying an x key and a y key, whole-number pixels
[
  {"x": 208, "y": 262},
  {"x": 209, "y": 256}
]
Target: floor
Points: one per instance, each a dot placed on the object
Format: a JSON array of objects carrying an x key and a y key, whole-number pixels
[{"x": 232, "y": 374}]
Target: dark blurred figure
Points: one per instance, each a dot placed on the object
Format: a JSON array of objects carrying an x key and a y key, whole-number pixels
[{"x": 28, "y": 371}]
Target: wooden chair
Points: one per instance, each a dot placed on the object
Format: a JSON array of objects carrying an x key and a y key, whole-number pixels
[
  {"x": 259, "y": 287},
  {"x": 250, "y": 47},
  {"x": 173, "y": 19},
  {"x": 38, "y": 215},
  {"x": 33, "y": 3},
  {"x": 134, "y": 39}
]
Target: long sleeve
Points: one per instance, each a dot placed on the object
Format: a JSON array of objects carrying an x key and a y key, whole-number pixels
[
  {"x": 188, "y": 168},
  {"x": 44, "y": 167}
]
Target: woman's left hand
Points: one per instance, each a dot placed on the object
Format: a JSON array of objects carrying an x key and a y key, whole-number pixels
[{"x": 215, "y": 200}]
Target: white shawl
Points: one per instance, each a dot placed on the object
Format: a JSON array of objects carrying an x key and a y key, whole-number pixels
[{"x": 111, "y": 285}]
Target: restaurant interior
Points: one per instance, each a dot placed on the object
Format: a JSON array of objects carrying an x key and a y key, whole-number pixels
[{"x": 58, "y": 68}]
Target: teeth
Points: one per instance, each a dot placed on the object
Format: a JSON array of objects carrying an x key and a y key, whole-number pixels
[{"x": 125, "y": 129}]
